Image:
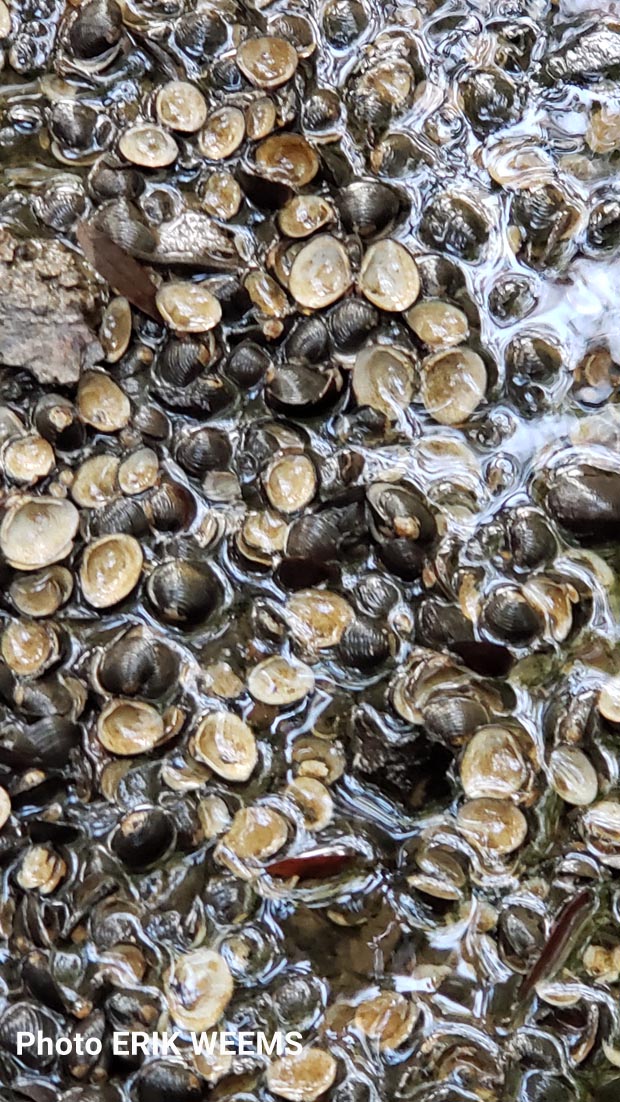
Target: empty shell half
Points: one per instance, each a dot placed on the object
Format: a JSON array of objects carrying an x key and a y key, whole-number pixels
[
  {"x": 110, "y": 569},
  {"x": 226, "y": 743},
  {"x": 321, "y": 273},
  {"x": 188, "y": 307}
]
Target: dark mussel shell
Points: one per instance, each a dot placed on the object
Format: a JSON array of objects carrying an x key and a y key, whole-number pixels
[
  {"x": 302, "y": 390},
  {"x": 138, "y": 663},
  {"x": 247, "y": 364},
  {"x": 143, "y": 836},
  {"x": 489, "y": 100},
  {"x": 180, "y": 361},
  {"x": 369, "y": 207},
  {"x": 204, "y": 449},
  {"x": 308, "y": 340},
  {"x": 585, "y": 499},
  {"x": 160, "y": 1081},
  {"x": 351, "y": 322},
  {"x": 183, "y": 592},
  {"x": 365, "y": 645},
  {"x": 170, "y": 507},
  {"x": 513, "y": 297},
  {"x": 344, "y": 21},
  {"x": 509, "y": 616},
  {"x": 603, "y": 232},
  {"x": 454, "y": 226},
  {"x": 97, "y": 27}
]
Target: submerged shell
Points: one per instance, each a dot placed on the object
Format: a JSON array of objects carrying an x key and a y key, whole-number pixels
[
  {"x": 188, "y": 307},
  {"x": 226, "y": 744},
  {"x": 389, "y": 276},
  {"x": 321, "y": 273},
  {"x": 453, "y": 385},
  {"x": 38, "y": 531},
  {"x": 127, "y": 727},
  {"x": 199, "y": 987},
  {"x": 267, "y": 61},
  {"x": 303, "y": 1076},
  {"x": 280, "y": 681},
  {"x": 111, "y": 568}
]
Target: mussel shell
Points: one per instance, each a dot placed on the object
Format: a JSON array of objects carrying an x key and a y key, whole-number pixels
[
  {"x": 438, "y": 623},
  {"x": 171, "y": 507},
  {"x": 489, "y": 100},
  {"x": 204, "y": 449},
  {"x": 160, "y": 1081},
  {"x": 512, "y": 298},
  {"x": 454, "y": 226},
  {"x": 96, "y": 28},
  {"x": 55, "y": 418},
  {"x": 369, "y": 207},
  {"x": 123, "y": 222},
  {"x": 181, "y": 361},
  {"x": 390, "y": 503},
  {"x": 603, "y": 232},
  {"x": 138, "y": 664},
  {"x": 199, "y": 33},
  {"x": 47, "y": 743},
  {"x": 452, "y": 718},
  {"x": 308, "y": 340},
  {"x": 124, "y": 515},
  {"x": 298, "y": 389},
  {"x": 73, "y": 124},
  {"x": 531, "y": 540},
  {"x": 344, "y": 21},
  {"x": 585, "y": 499},
  {"x": 110, "y": 181},
  {"x": 365, "y": 645},
  {"x": 351, "y": 322},
  {"x": 510, "y": 617},
  {"x": 143, "y": 837},
  {"x": 247, "y": 364},
  {"x": 28, "y": 1018},
  {"x": 182, "y": 592}
]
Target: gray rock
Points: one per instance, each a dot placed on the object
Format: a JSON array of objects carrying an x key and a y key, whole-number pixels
[{"x": 48, "y": 308}]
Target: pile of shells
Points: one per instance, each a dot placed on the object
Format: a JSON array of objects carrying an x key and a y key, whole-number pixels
[{"x": 310, "y": 494}]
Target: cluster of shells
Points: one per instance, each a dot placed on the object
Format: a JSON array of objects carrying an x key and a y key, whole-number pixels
[{"x": 320, "y": 559}]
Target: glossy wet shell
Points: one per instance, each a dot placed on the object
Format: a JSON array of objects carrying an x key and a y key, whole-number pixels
[
  {"x": 495, "y": 825},
  {"x": 111, "y": 567},
  {"x": 127, "y": 727},
  {"x": 36, "y": 532},
  {"x": 280, "y": 681},
  {"x": 188, "y": 307},
  {"x": 302, "y": 1077},
  {"x": 148, "y": 146},
  {"x": 181, "y": 106},
  {"x": 267, "y": 61},
  {"x": 384, "y": 379},
  {"x": 256, "y": 833},
  {"x": 453, "y": 385},
  {"x": 321, "y": 273},
  {"x": 199, "y": 987},
  {"x": 389, "y": 276},
  {"x": 227, "y": 745},
  {"x": 287, "y": 159},
  {"x": 319, "y": 617}
]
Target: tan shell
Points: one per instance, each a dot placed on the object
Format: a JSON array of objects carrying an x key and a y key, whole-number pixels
[
  {"x": 453, "y": 385},
  {"x": 314, "y": 801},
  {"x": 290, "y": 482},
  {"x": 302, "y": 1076},
  {"x": 609, "y": 699},
  {"x": 305, "y": 214},
  {"x": 115, "y": 329},
  {"x": 387, "y": 1018},
  {"x": 41, "y": 870},
  {"x": 188, "y": 307},
  {"x": 573, "y": 776},
  {"x": 148, "y": 146},
  {"x": 268, "y": 61},
  {"x": 384, "y": 379},
  {"x": 198, "y": 987},
  {"x": 494, "y": 825},
  {"x": 101, "y": 402},
  {"x": 260, "y": 118},
  {"x": 5, "y": 806},
  {"x": 321, "y": 273},
  {"x": 288, "y": 159},
  {"x": 225, "y": 743},
  {"x": 318, "y": 618},
  {"x": 5, "y": 20},
  {"x": 493, "y": 764},
  {"x": 437, "y": 323},
  {"x": 266, "y": 294},
  {"x": 389, "y": 276},
  {"x": 28, "y": 458},
  {"x": 42, "y": 594},
  {"x": 280, "y": 681},
  {"x": 127, "y": 727},
  {"x": 181, "y": 106},
  {"x": 256, "y": 833},
  {"x": 110, "y": 569},
  {"x": 222, "y": 133},
  {"x": 38, "y": 531},
  {"x": 138, "y": 472},
  {"x": 95, "y": 481},
  {"x": 29, "y": 647},
  {"x": 221, "y": 196}
]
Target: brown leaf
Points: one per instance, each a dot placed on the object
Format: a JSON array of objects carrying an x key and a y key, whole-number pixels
[
  {"x": 314, "y": 864},
  {"x": 126, "y": 275}
]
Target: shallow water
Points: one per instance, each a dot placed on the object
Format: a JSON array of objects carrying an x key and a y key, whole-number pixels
[{"x": 451, "y": 710}]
